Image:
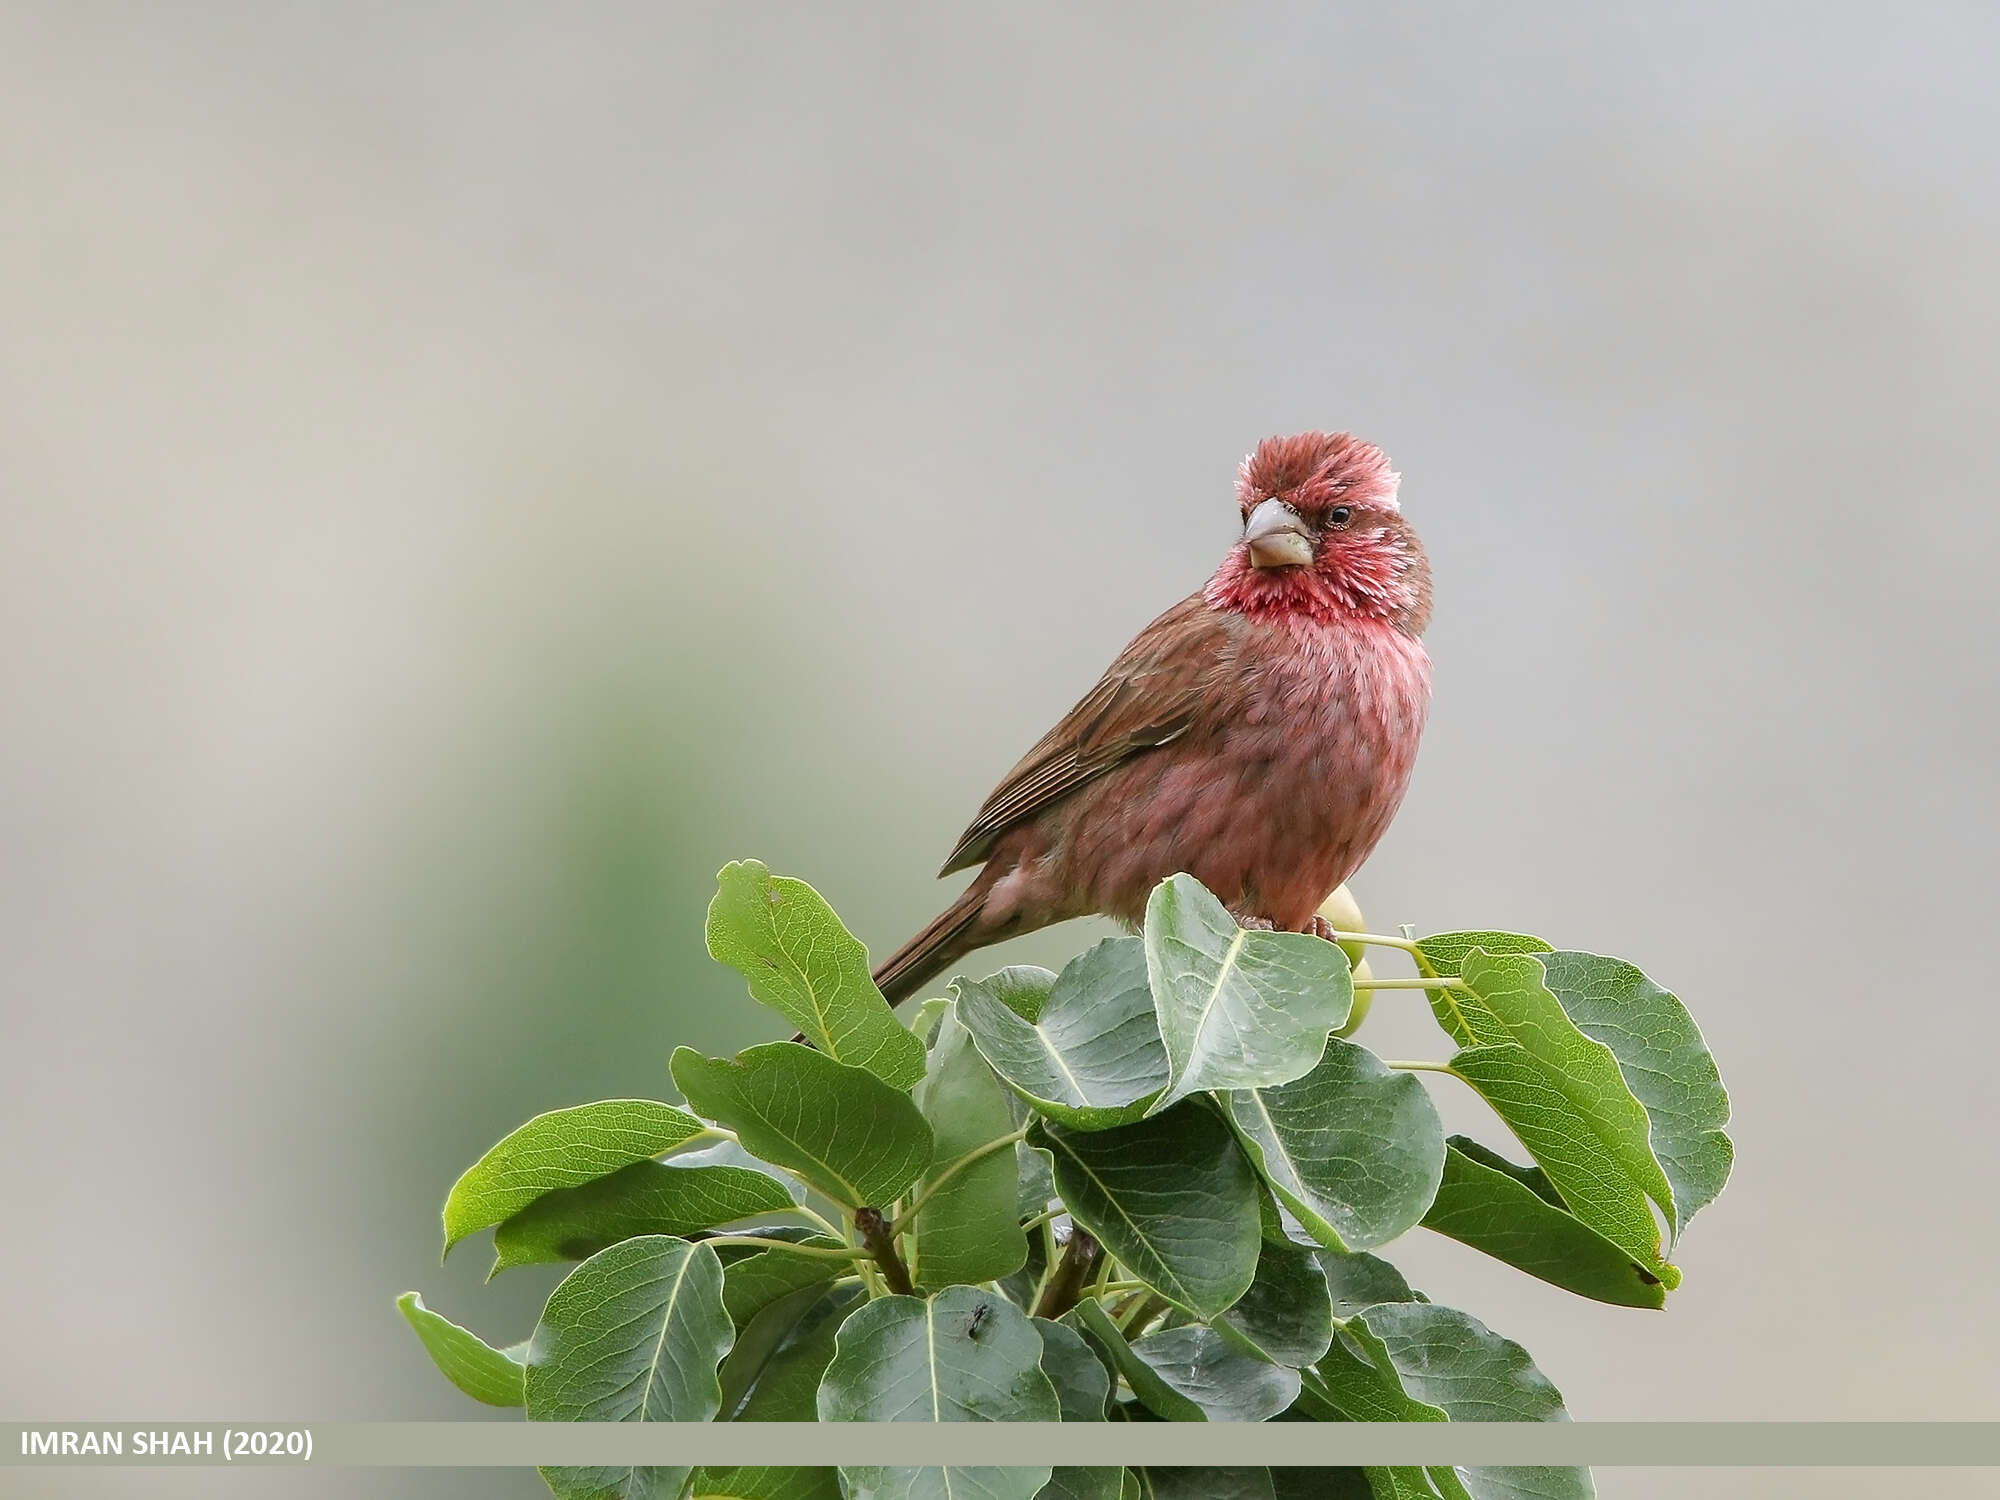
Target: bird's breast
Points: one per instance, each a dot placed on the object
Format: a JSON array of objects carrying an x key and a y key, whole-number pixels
[{"x": 1318, "y": 754}]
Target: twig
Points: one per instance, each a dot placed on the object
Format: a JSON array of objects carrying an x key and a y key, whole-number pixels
[
  {"x": 1079, "y": 1261},
  {"x": 874, "y": 1232}
]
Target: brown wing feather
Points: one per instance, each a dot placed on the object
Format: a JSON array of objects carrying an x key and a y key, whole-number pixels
[{"x": 1148, "y": 696}]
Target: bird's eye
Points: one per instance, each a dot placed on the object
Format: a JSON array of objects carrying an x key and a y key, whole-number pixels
[{"x": 1339, "y": 516}]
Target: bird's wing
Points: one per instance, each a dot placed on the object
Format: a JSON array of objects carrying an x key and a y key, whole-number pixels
[{"x": 1148, "y": 696}]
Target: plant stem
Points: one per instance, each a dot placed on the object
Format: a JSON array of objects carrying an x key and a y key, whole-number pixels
[
  {"x": 1065, "y": 1286},
  {"x": 1042, "y": 1218},
  {"x": 845, "y": 1252},
  {"x": 874, "y": 1232},
  {"x": 1106, "y": 1269},
  {"x": 1417, "y": 1066},
  {"x": 908, "y": 1216},
  {"x": 1050, "y": 1258},
  {"x": 1377, "y": 940}
]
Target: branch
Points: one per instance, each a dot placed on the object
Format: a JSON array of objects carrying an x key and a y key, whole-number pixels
[
  {"x": 874, "y": 1232},
  {"x": 1079, "y": 1260}
]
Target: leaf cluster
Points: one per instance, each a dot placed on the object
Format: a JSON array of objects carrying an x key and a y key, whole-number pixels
[{"x": 1147, "y": 1188}]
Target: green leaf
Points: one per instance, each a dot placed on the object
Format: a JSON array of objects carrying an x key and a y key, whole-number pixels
[
  {"x": 969, "y": 1229},
  {"x": 561, "y": 1149},
  {"x": 1358, "y": 1381},
  {"x": 1666, "y": 1065},
  {"x": 765, "y": 1484},
  {"x": 1083, "y": 1388},
  {"x": 1216, "y": 1376},
  {"x": 1287, "y": 1315},
  {"x": 753, "y": 1283},
  {"x": 1562, "y": 1141},
  {"x": 730, "y": 1153},
  {"x": 1354, "y": 1149},
  {"x": 1237, "y": 1009},
  {"x": 963, "y": 1355},
  {"x": 1439, "y": 957},
  {"x": 619, "y": 1482},
  {"x": 1294, "y": 1483},
  {"x": 1023, "y": 988},
  {"x": 466, "y": 1360},
  {"x": 1565, "y": 1097},
  {"x": 1402, "y": 1484},
  {"x": 1356, "y": 1280},
  {"x": 1037, "y": 1188},
  {"x": 783, "y": 1382},
  {"x": 1451, "y": 1360},
  {"x": 1172, "y": 1197},
  {"x": 1067, "y": 1483},
  {"x": 632, "y": 1335},
  {"x": 1437, "y": 1363},
  {"x": 1203, "y": 1484},
  {"x": 923, "y": 1020},
  {"x": 1523, "y": 1483},
  {"x": 648, "y": 1197},
  {"x": 1513, "y": 1214},
  {"x": 1153, "y": 1391},
  {"x": 873, "y": 1483},
  {"x": 780, "y": 934},
  {"x": 841, "y": 1128},
  {"x": 760, "y": 1336},
  {"x": 1092, "y": 1057}
]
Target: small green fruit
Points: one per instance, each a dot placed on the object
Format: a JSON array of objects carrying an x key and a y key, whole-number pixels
[
  {"x": 1358, "y": 1012},
  {"x": 1344, "y": 912}
]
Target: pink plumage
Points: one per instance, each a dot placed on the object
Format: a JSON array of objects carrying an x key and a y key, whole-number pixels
[{"x": 1259, "y": 735}]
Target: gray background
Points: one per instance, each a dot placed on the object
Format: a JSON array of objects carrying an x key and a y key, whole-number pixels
[{"x": 469, "y": 470}]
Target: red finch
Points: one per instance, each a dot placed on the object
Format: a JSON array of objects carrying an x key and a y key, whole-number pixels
[{"x": 1258, "y": 735}]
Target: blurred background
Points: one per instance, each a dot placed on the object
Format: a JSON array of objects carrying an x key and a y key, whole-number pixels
[{"x": 470, "y": 470}]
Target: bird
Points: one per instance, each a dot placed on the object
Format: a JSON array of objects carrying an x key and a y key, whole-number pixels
[{"x": 1259, "y": 735}]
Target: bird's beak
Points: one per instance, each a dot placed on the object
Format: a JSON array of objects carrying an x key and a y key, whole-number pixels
[{"x": 1277, "y": 537}]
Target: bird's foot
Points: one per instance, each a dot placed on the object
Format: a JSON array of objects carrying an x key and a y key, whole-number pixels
[
  {"x": 1255, "y": 924},
  {"x": 1319, "y": 927}
]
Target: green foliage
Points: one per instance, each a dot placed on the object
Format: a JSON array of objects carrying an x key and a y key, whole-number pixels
[
  {"x": 1083, "y": 1047},
  {"x": 1238, "y": 1009},
  {"x": 1354, "y": 1149},
  {"x": 782, "y": 936},
  {"x": 1141, "y": 1189},
  {"x": 634, "y": 1334},
  {"x": 648, "y": 1197},
  {"x": 842, "y": 1129},
  {"x": 1514, "y": 1213},
  {"x": 468, "y": 1361},
  {"x": 563, "y": 1149},
  {"x": 1172, "y": 1198},
  {"x": 968, "y": 1227}
]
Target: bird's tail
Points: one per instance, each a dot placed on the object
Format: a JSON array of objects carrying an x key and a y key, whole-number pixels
[{"x": 949, "y": 937}]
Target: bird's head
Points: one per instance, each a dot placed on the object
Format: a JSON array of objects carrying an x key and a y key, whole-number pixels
[{"x": 1323, "y": 536}]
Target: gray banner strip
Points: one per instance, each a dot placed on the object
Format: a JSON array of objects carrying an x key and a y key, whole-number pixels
[{"x": 519, "y": 1444}]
